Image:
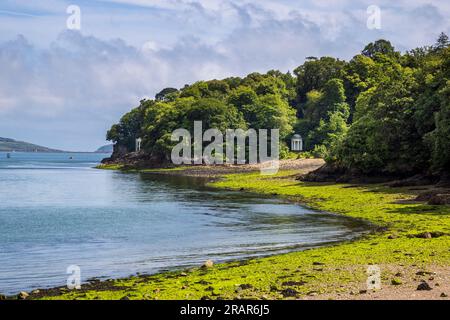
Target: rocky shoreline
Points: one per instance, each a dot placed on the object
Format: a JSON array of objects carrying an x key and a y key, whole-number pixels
[
  {"x": 421, "y": 235},
  {"x": 137, "y": 162}
]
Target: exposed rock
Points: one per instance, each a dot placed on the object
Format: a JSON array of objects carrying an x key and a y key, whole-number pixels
[
  {"x": 245, "y": 286},
  {"x": 326, "y": 173},
  {"x": 293, "y": 283},
  {"x": 332, "y": 172},
  {"x": 424, "y": 273},
  {"x": 416, "y": 180},
  {"x": 134, "y": 159},
  {"x": 424, "y": 286},
  {"x": 426, "y": 235},
  {"x": 23, "y": 295},
  {"x": 289, "y": 293},
  {"x": 208, "y": 264},
  {"x": 440, "y": 199},
  {"x": 429, "y": 235},
  {"x": 425, "y": 196},
  {"x": 444, "y": 180}
]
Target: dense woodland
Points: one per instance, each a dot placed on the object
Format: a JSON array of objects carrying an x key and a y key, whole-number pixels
[{"x": 381, "y": 112}]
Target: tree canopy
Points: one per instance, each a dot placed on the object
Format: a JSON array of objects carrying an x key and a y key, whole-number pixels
[{"x": 380, "y": 112}]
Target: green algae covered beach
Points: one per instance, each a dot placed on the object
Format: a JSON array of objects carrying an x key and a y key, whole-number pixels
[{"x": 410, "y": 244}]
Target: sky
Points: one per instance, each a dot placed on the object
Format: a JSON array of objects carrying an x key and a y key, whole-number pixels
[{"x": 65, "y": 78}]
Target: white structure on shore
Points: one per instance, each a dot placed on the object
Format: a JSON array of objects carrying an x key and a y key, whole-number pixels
[
  {"x": 296, "y": 143},
  {"x": 138, "y": 144}
]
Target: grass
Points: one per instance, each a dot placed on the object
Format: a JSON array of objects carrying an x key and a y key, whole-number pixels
[
  {"x": 328, "y": 270},
  {"x": 124, "y": 168},
  {"x": 109, "y": 166}
]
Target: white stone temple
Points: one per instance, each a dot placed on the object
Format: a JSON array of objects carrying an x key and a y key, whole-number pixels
[
  {"x": 138, "y": 144},
  {"x": 296, "y": 143}
]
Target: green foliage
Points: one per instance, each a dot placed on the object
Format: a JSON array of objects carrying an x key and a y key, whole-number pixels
[
  {"x": 326, "y": 116},
  {"x": 441, "y": 135},
  {"x": 258, "y": 101},
  {"x": 379, "y": 48},
  {"x": 213, "y": 113},
  {"x": 129, "y": 128},
  {"x": 360, "y": 75},
  {"x": 315, "y": 73},
  {"x": 400, "y": 118},
  {"x": 390, "y": 138},
  {"x": 167, "y": 94},
  {"x": 442, "y": 42},
  {"x": 381, "y": 112}
]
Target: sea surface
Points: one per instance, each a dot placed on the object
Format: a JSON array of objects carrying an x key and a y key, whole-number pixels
[{"x": 56, "y": 211}]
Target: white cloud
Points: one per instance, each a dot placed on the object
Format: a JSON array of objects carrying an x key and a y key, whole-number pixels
[{"x": 72, "y": 80}]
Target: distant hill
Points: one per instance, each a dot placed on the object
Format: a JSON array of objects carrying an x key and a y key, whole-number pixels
[
  {"x": 7, "y": 145},
  {"x": 105, "y": 149}
]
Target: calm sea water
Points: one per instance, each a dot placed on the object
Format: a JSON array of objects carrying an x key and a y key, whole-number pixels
[{"x": 57, "y": 211}]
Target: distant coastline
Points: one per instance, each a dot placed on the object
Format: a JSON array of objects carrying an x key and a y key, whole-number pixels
[
  {"x": 11, "y": 145},
  {"x": 105, "y": 149}
]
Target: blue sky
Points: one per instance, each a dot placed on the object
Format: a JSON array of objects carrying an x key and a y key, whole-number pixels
[{"x": 64, "y": 88}]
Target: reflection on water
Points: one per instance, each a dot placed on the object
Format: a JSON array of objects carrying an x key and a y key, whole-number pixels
[{"x": 56, "y": 211}]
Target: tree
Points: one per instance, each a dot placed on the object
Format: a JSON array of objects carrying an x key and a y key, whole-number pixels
[
  {"x": 334, "y": 97},
  {"x": 360, "y": 75},
  {"x": 129, "y": 128},
  {"x": 328, "y": 135},
  {"x": 218, "y": 87},
  {"x": 242, "y": 96},
  {"x": 382, "y": 112},
  {"x": 441, "y": 135},
  {"x": 334, "y": 113},
  {"x": 379, "y": 47},
  {"x": 442, "y": 42},
  {"x": 384, "y": 137},
  {"x": 313, "y": 75},
  {"x": 167, "y": 94},
  {"x": 213, "y": 113},
  {"x": 319, "y": 108}
]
